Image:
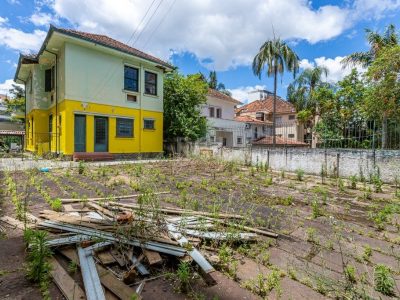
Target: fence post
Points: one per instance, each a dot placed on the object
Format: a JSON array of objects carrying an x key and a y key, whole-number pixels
[{"x": 337, "y": 164}]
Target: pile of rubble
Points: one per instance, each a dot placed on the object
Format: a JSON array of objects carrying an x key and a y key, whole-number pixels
[{"x": 119, "y": 247}]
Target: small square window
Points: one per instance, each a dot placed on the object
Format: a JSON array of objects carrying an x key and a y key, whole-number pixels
[
  {"x": 291, "y": 135},
  {"x": 124, "y": 127},
  {"x": 131, "y": 98},
  {"x": 148, "y": 124},
  {"x": 292, "y": 117},
  {"x": 239, "y": 140}
]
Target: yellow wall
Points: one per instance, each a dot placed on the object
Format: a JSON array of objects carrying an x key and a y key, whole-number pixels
[{"x": 143, "y": 140}]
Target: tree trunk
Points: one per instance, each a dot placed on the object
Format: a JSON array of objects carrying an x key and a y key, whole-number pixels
[
  {"x": 384, "y": 131},
  {"x": 274, "y": 108}
]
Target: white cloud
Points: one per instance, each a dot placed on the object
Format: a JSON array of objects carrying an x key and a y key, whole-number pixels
[
  {"x": 20, "y": 40},
  {"x": 6, "y": 86},
  {"x": 3, "y": 20},
  {"x": 334, "y": 66},
  {"x": 242, "y": 93},
  {"x": 376, "y": 9},
  {"x": 306, "y": 64},
  {"x": 42, "y": 19},
  {"x": 223, "y": 35}
]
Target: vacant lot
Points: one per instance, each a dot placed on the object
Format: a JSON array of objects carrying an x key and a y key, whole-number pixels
[{"x": 338, "y": 238}]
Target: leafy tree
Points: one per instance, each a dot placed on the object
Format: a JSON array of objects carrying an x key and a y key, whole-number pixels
[
  {"x": 377, "y": 42},
  {"x": 183, "y": 97},
  {"x": 382, "y": 97},
  {"x": 16, "y": 103},
  {"x": 277, "y": 57},
  {"x": 213, "y": 83},
  {"x": 302, "y": 94}
]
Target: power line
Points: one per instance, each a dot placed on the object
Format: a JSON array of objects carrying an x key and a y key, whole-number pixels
[
  {"x": 141, "y": 21},
  {"x": 148, "y": 21},
  {"x": 159, "y": 24}
]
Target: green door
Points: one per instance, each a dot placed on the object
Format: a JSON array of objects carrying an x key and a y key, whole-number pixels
[
  {"x": 80, "y": 133},
  {"x": 100, "y": 134}
]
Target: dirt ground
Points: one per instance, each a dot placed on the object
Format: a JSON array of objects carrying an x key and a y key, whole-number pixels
[{"x": 333, "y": 233}]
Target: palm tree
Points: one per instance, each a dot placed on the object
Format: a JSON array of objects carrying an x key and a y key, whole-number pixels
[
  {"x": 278, "y": 57},
  {"x": 377, "y": 42},
  {"x": 301, "y": 91}
]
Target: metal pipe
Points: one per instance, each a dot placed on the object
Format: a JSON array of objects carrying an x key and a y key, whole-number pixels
[{"x": 56, "y": 88}]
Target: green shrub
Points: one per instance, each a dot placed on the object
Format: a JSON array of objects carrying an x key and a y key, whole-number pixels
[
  {"x": 350, "y": 274},
  {"x": 300, "y": 174},
  {"x": 184, "y": 275},
  {"x": 383, "y": 280}
]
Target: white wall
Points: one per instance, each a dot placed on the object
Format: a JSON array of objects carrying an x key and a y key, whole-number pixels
[
  {"x": 228, "y": 108},
  {"x": 94, "y": 76}
]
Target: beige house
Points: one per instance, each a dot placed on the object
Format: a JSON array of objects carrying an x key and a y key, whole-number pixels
[{"x": 261, "y": 113}]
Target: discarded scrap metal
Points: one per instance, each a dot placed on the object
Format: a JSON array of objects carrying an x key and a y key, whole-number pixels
[
  {"x": 90, "y": 277},
  {"x": 113, "y": 254}
]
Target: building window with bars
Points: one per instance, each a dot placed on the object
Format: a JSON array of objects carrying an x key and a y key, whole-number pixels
[
  {"x": 150, "y": 83},
  {"x": 124, "y": 127}
]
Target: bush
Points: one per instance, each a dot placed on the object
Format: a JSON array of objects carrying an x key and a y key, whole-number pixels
[
  {"x": 383, "y": 280},
  {"x": 300, "y": 174}
]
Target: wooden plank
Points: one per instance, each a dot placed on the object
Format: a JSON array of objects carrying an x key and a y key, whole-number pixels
[
  {"x": 101, "y": 209},
  {"x": 73, "y": 200},
  {"x": 13, "y": 222},
  {"x": 68, "y": 207},
  {"x": 107, "y": 279},
  {"x": 123, "y": 291},
  {"x": 152, "y": 257},
  {"x": 105, "y": 257},
  {"x": 67, "y": 285},
  {"x": 118, "y": 257}
]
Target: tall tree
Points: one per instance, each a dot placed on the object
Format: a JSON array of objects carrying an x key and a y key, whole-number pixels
[
  {"x": 382, "y": 98},
  {"x": 213, "y": 83},
  {"x": 16, "y": 103},
  {"x": 378, "y": 42},
  {"x": 277, "y": 57},
  {"x": 212, "y": 80},
  {"x": 183, "y": 96}
]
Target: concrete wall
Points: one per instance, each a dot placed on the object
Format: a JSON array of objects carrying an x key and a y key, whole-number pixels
[{"x": 340, "y": 162}]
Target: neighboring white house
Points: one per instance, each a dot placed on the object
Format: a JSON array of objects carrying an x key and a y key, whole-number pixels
[{"x": 220, "y": 113}]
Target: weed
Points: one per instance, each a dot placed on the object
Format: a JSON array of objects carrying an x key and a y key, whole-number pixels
[
  {"x": 184, "y": 274},
  {"x": 38, "y": 268},
  {"x": 72, "y": 267},
  {"x": 316, "y": 210},
  {"x": 310, "y": 231},
  {"x": 287, "y": 201},
  {"x": 268, "y": 181},
  {"x": 81, "y": 167},
  {"x": 353, "y": 182},
  {"x": 341, "y": 185},
  {"x": 300, "y": 174},
  {"x": 383, "y": 280},
  {"x": 350, "y": 274},
  {"x": 282, "y": 174},
  {"x": 56, "y": 204},
  {"x": 367, "y": 253}
]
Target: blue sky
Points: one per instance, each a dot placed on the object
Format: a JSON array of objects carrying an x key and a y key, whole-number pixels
[{"x": 202, "y": 35}]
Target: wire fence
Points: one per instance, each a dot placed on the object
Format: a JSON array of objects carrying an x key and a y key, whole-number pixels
[{"x": 361, "y": 134}]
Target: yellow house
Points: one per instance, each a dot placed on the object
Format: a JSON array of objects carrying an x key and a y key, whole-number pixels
[{"x": 88, "y": 93}]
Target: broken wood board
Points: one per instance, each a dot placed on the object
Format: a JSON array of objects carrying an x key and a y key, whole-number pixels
[
  {"x": 152, "y": 257},
  {"x": 105, "y": 257},
  {"x": 107, "y": 279},
  {"x": 73, "y": 200},
  {"x": 67, "y": 285},
  {"x": 118, "y": 256},
  {"x": 174, "y": 211},
  {"x": 14, "y": 222},
  {"x": 101, "y": 209}
]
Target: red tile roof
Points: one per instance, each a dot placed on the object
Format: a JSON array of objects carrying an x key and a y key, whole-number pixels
[
  {"x": 266, "y": 105},
  {"x": 218, "y": 94},
  {"x": 268, "y": 140},
  {"x": 111, "y": 43},
  {"x": 249, "y": 119}
]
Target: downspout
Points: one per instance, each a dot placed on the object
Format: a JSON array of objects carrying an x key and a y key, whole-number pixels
[
  {"x": 25, "y": 115},
  {"x": 56, "y": 93}
]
